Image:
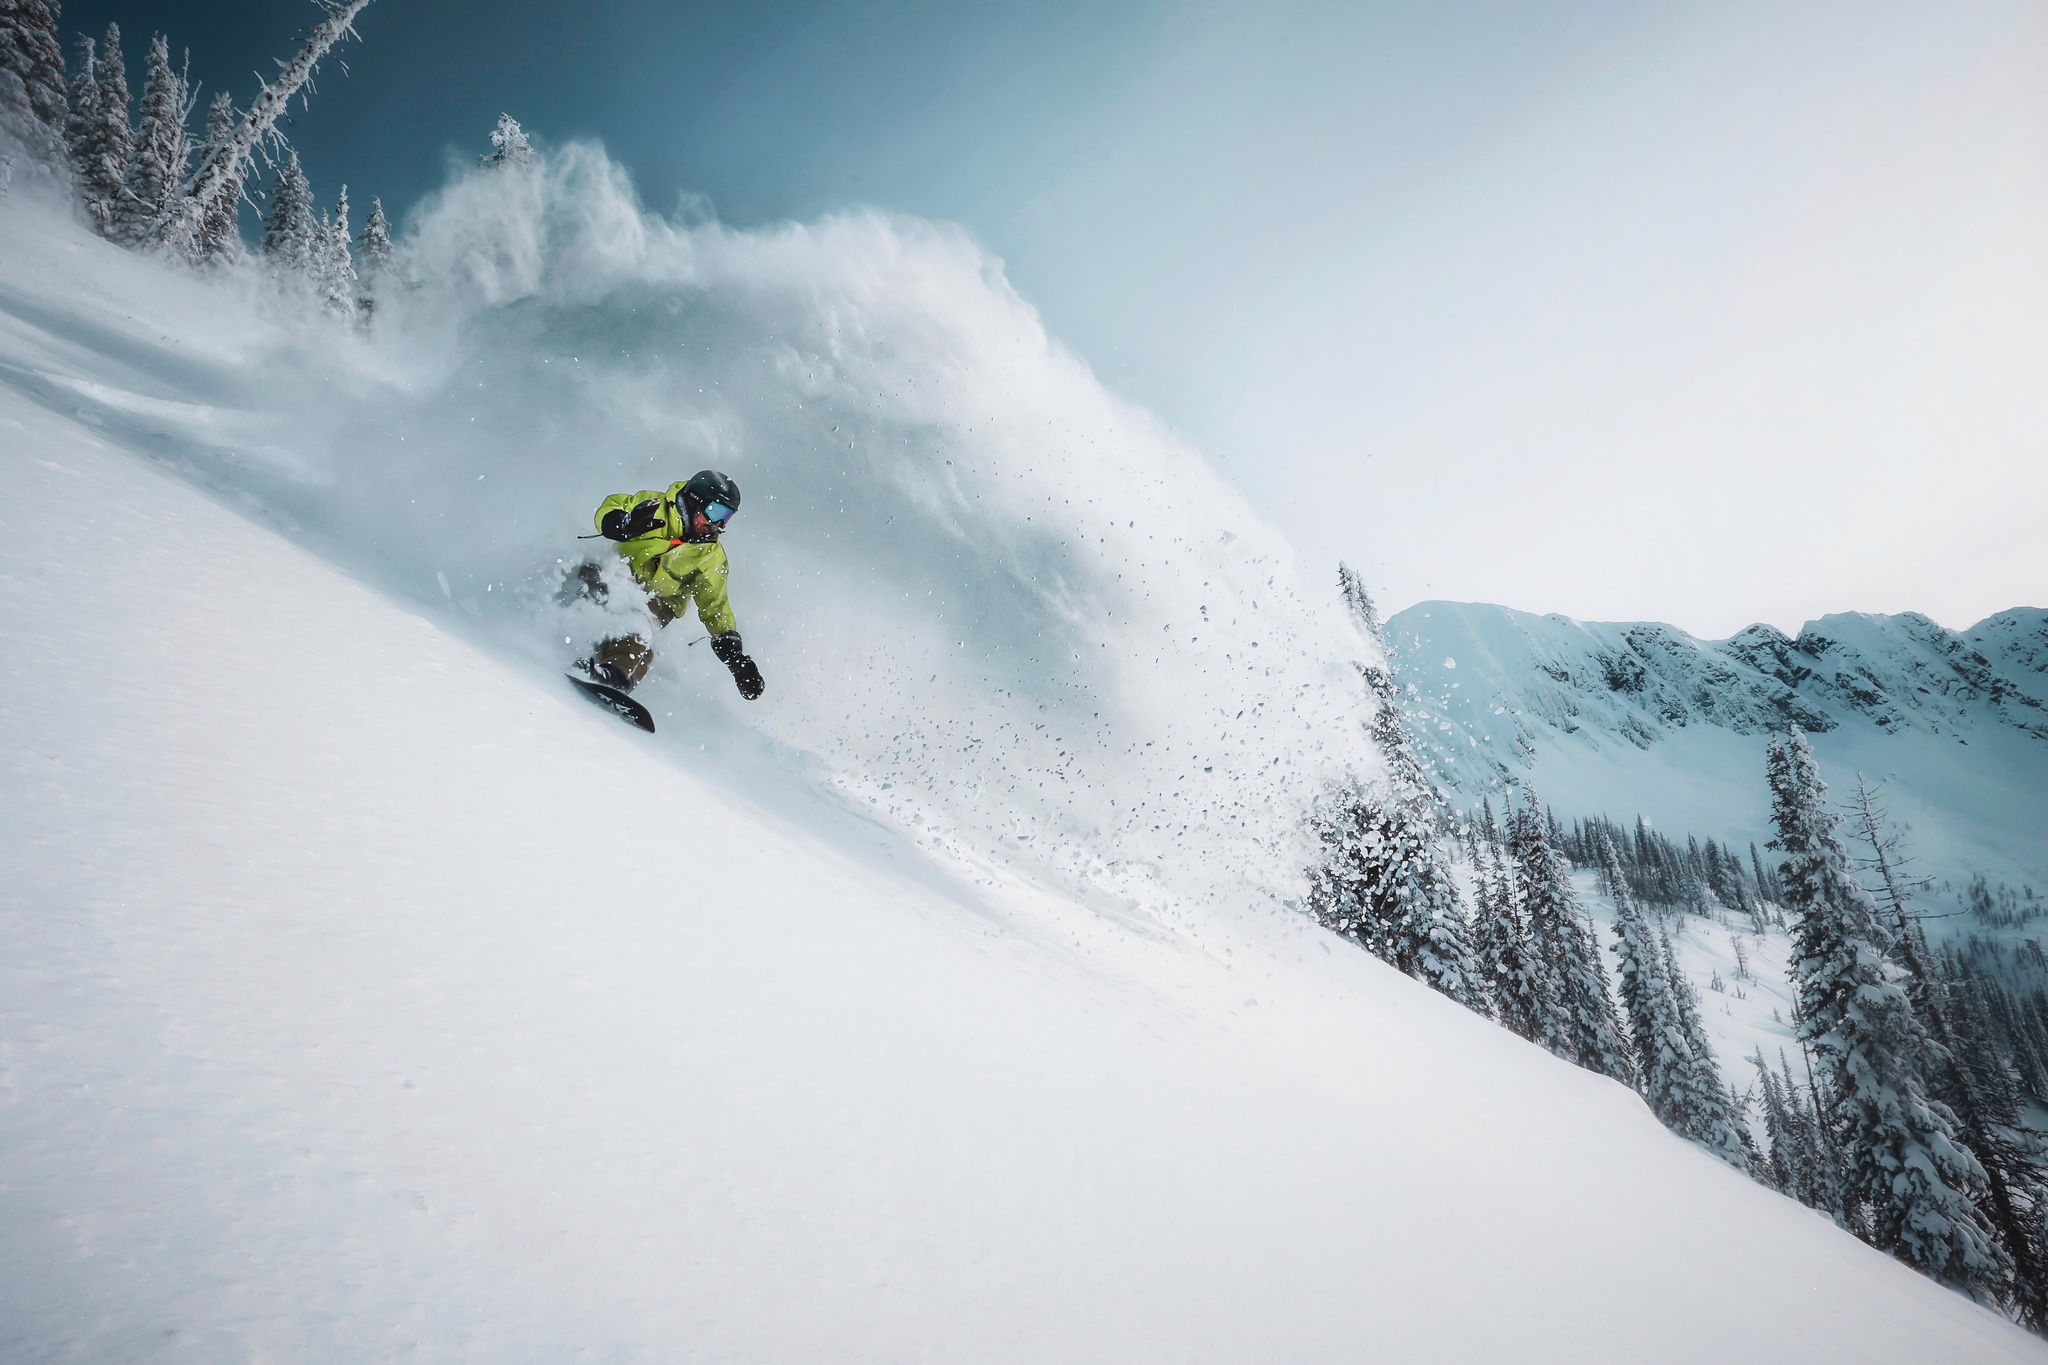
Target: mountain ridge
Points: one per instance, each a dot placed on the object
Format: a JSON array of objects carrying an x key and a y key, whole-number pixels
[{"x": 1620, "y": 717}]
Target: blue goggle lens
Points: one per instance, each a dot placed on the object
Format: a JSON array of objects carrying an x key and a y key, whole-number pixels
[{"x": 716, "y": 512}]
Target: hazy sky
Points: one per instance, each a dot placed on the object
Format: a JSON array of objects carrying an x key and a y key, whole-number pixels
[{"x": 1702, "y": 313}]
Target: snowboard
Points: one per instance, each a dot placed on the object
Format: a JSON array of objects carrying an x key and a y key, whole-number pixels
[{"x": 613, "y": 699}]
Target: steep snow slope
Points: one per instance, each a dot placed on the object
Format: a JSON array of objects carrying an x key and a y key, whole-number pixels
[
  {"x": 1621, "y": 718},
  {"x": 365, "y": 997}
]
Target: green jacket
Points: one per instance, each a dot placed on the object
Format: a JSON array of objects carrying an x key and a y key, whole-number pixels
[{"x": 670, "y": 568}]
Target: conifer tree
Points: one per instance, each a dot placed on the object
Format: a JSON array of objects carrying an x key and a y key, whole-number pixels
[
  {"x": 290, "y": 235},
  {"x": 82, "y": 93},
  {"x": 373, "y": 257},
  {"x": 81, "y": 122},
  {"x": 322, "y": 254},
  {"x": 1383, "y": 878},
  {"x": 217, "y": 233},
  {"x": 1336, "y": 894},
  {"x": 509, "y": 144},
  {"x": 216, "y": 183},
  {"x": 33, "y": 99},
  {"x": 1737, "y": 1109},
  {"x": 336, "y": 274},
  {"x": 373, "y": 248},
  {"x": 1820, "y": 1172},
  {"x": 2014, "y": 1161},
  {"x": 1912, "y": 1184},
  {"x": 102, "y": 149},
  {"x": 1766, "y": 884},
  {"x": 1662, "y": 1068},
  {"x": 1584, "y": 1027},
  {"x": 1782, "y": 1163},
  {"x": 1506, "y": 962},
  {"x": 156, "y": 166},
  {"x": 1708, "y": 1116}
]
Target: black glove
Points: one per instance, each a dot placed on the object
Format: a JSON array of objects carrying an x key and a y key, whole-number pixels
[
  {"x": 622, "y": 525},
  {"x": 730, "y": 653}
]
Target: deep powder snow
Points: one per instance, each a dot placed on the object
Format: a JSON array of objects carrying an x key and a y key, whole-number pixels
[{"x": 366, "y": 994}]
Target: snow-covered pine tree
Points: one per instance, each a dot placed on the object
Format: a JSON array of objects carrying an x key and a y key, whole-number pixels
[
  {"x": 1585, "y": 1028},
  {"x": 1766, "y": 882},
  {"x": 1359, "y": 602},
  {"x": 290, "y": 233},
  {"x": 1542, "y": 929},
  {"x": 1662, "y": 1066},
  {"x": 2014, "y": 1159},
  {"x": 102, "y": 151},
  {"x": 2006, "y": 1021},
  {"x": 1407, "y": 902},
  {"x": 1888, "y": 865},
  {"x": 325, "y": 268},
  {"x": 1692, "y": 884},
  {"x": 1781, "y": 1163},
  {"x": 1708, "y": 1118},
  {"x": 1913, "y": 1185},
  {"x": 143, "y": 214},
  {"x": 373, "y": 257},
  {"x": 217, "y": 233},
  {"x": 1820, "y": 1173},
  {"x": 336, "y": 265},
  {"x": 1738, "y": 1115},
  {"x": 81, "y": 121},
  {"x": 216, "y": 184},
  {"x": 1738, "y": 894},
  {"x": 33, "y": 99},
  {"x": 509, "y": 144},
  {"x": 1389, "y": 728},
  {"x": 1383, "y": 878},
  {"x": 1501, "y": 946},
  {"x": 373, "y": 248},
  {"x": 1334, "y": 894}
]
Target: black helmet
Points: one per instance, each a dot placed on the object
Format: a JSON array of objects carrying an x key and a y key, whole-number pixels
[{"x": 706, "y": 487}]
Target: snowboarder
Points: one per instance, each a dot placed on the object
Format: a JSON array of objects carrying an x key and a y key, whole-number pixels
[{"x": 670, "y": 540}]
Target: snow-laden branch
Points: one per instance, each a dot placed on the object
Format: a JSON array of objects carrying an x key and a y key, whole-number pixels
[{"x": 223, "y": 170}]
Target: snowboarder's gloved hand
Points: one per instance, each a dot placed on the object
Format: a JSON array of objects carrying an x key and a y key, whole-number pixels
[
  {"x": 621, "y": 525},
  {"x": 730, "y": 653}
]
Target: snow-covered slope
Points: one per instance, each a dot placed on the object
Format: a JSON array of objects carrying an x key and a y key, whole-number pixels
[
  {"x": 1622, "y": 718},
  {"x": 364, "y": 994}
]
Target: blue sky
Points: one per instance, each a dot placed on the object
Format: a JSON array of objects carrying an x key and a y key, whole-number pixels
[{"x": 1701, "y": 313}]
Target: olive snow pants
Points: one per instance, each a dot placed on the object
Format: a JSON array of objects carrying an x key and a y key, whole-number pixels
[{"x": 620, "y": 660}]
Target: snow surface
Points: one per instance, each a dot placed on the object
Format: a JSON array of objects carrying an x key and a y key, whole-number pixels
[{"x": 366, "y": 994}]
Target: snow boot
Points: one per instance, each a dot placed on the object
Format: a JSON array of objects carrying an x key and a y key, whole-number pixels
[{"x": 619, "y": 661}]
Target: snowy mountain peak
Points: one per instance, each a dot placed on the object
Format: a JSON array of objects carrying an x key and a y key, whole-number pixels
[
  {"x": 1901, "y": 671},
  {"x": 1641, "y": 716}
]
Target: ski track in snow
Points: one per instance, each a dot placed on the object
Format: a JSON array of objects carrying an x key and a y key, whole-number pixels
[{"x": 366, "y": 994}]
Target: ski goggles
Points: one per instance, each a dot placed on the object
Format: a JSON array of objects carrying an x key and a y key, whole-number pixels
[{"x": 717, "y": 513}]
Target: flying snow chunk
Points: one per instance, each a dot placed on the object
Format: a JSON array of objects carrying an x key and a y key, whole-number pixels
[{"x": 1450, "y": 662}]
